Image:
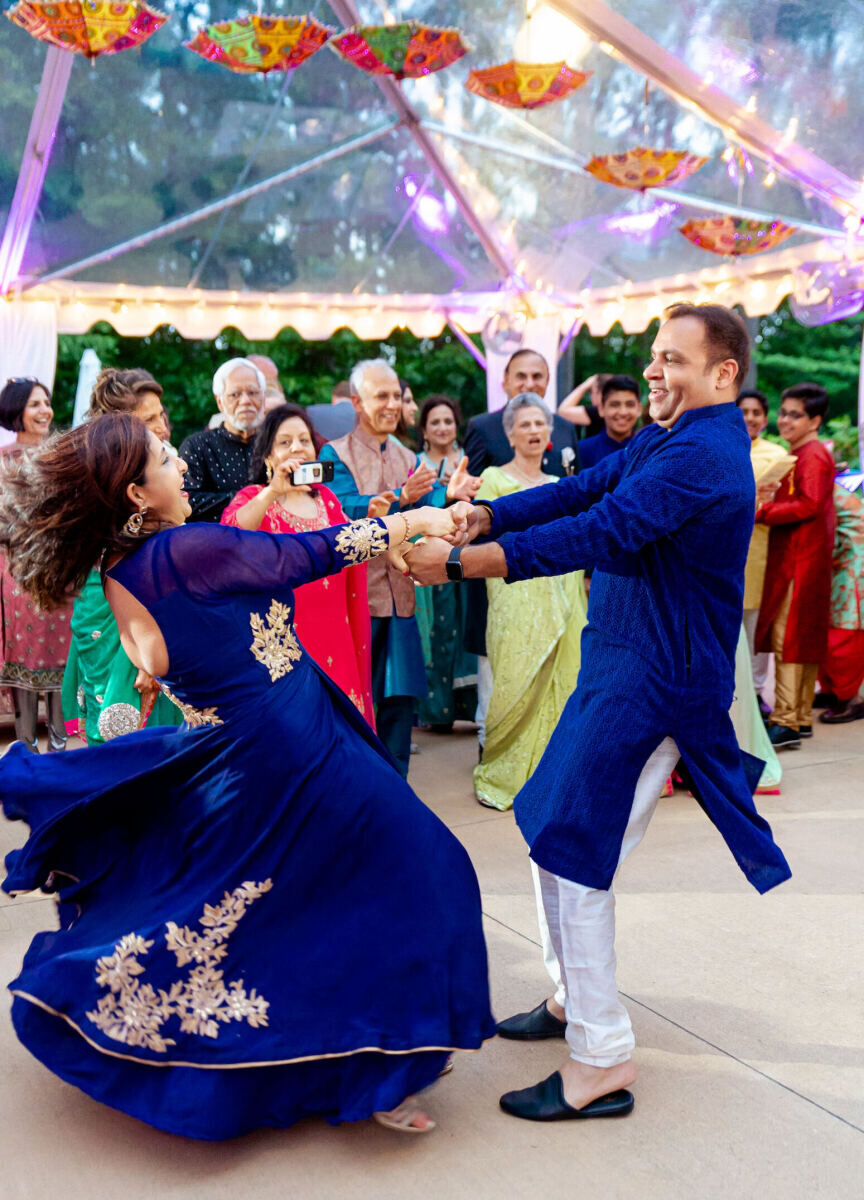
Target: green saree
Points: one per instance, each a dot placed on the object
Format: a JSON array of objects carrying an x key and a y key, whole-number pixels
[
  {"x": 99, "y": 697},
  {"x": 533, "y": 642}
]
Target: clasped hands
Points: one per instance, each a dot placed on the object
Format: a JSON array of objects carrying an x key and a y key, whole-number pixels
[{"x": 442, "y": 529}]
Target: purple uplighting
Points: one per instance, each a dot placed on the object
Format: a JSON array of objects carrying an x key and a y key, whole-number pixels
[{"x": 429, "y": 210}]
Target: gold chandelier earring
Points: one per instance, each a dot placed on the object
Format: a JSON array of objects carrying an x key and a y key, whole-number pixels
[
  {"x": 268, "y": 470},
  {"x": 135, "y": 523}
]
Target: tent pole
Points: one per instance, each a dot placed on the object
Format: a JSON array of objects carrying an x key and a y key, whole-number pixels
[
  {"x": 218, "y": 206},
  {"x": 34, "y": 164},
  {"x": 466, "y": 341},
  {"x": 630, "y": 45},
  {"x": 569, "y": 336},
  {"x": 685, "y": 199},
  {"x": 347, "y": 13}
]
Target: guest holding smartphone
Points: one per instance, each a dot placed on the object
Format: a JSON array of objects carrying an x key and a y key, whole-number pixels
[{"x": 332, "y": 615}]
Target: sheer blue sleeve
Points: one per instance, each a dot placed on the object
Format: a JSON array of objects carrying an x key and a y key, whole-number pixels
[
  {"x": 208, "y": 561},
  {"x": 566, "y": 498}
]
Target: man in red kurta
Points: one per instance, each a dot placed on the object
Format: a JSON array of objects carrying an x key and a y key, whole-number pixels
[{"x": 795, "y": 612}]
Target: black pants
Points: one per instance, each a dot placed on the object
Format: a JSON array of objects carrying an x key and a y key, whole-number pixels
[{"x": 394, "y": 715}]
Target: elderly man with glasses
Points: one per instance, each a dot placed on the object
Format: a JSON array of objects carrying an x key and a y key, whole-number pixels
[{"x": 218, "y": 458}]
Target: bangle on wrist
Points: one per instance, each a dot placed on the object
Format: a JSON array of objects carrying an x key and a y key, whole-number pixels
[{"x": 407, "y": 536}]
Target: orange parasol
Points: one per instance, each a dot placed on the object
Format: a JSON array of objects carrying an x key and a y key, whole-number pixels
[
  {"x": 407, "y": 50},
  {"x": 736, "y": 236},
  {"x": 88, "y": 27},
  {"x": 645, "y": 168},
  {"x": 258, "y": 44},
  {"x": 525, "y": 85}
]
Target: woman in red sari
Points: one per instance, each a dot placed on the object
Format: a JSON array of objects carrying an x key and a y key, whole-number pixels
[{"x": 332, "y": 615}]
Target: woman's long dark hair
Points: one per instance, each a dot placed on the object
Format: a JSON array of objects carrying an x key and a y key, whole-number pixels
[
  {"x": 65, "y": 504},
  {"x": 13, "y": 401},
  {"x": 266, "y": 436}
]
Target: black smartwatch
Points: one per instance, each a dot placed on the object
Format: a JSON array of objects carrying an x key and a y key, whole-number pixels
[{"x": 454, "y": 565}]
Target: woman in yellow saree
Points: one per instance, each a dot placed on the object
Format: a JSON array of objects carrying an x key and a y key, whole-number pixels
[{"x": 533, "y": 632}]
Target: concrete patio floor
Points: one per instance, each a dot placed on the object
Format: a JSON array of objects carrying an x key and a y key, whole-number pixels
[{"x": 748, "y": 1012}]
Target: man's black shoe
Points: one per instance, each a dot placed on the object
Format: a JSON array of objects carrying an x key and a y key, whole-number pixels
[
  {"x": 805, "y": 731},
  {"x": 545, "y": 1102},
  {"x": 825, "y": 700},
  {"x": 532, "y": 1026},
  {"x": 783, "y": 738},
  {"x": 852, "y": 710}
]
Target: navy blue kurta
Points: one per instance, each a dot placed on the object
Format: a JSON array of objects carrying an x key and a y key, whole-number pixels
[{"x": 666, "y": 526}]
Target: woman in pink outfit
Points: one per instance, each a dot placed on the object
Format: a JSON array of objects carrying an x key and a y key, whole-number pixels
[
  {"x": 34, "y": 645},
  {"x": 332, "y": 615}
]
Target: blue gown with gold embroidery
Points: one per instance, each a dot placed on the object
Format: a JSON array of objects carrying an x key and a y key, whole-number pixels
[{"x": 259, "y": 920}]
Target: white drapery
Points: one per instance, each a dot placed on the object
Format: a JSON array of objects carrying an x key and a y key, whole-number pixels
[{"x": 28, "y": 341}]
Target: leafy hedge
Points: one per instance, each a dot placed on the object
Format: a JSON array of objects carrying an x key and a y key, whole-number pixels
[{"x": 784, "y": 353}]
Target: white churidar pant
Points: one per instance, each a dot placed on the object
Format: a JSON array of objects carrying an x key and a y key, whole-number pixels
[{"x": 581, "y": 923}]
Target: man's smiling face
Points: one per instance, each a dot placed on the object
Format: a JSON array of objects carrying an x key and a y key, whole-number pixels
[{"x": 680, "y": 375}]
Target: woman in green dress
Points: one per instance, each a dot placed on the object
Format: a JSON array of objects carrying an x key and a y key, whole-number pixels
[
  {"x": 533, "y": 632},
  {"x": 104, "y": 695},
  {"x": 451, "y": 672}
]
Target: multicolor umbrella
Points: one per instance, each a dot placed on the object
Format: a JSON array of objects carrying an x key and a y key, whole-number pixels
[
  {"x": 525, "y": 85},
  {"x": 407, "y": 50},
  {"x": 736, "y": 236},
  {"x": 644, "y": 167},
  {"x": 88, "y": 27},
  {"x": 256, "y": 45}
]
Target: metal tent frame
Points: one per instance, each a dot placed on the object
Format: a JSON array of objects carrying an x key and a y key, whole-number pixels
[{"x": 618, "y": 38}]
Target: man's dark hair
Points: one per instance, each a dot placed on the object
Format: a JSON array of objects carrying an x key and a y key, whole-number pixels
[
  {"x": 812, "y": 396},
  {"x": 518, "y": 354},
  {"x": 619, "y": 383},
  {"x": 754, "y": 394},
  {"x": 342, "y": 389},
  {"x": 726, "y": 334}
]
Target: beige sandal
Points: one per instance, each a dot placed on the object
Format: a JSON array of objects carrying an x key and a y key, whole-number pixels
[{"x": 403, "y": 1118}]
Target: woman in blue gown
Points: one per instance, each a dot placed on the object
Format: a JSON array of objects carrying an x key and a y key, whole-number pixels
[{"x": 258, "y": 919}]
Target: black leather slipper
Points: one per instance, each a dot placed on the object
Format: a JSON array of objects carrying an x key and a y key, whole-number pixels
[{"x": 545, "y": 1102}]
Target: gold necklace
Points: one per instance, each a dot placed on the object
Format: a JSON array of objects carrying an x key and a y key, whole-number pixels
[{"x": 532, "y": 482}]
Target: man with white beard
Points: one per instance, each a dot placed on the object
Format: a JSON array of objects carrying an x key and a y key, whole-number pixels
[{"x": 218, "y": 459}]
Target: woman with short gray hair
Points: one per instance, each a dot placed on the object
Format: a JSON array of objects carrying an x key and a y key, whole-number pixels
[{"x": 533, "y": 632}]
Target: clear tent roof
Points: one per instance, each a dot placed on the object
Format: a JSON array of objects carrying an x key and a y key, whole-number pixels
[{"x": 152, "y": 135}]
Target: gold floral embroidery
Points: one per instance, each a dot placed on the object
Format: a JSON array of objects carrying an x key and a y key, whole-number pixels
[
  {"x": 275, "y": 645},
  {"x": 192, "y": 715},
  {"x": 134, "y": 1012},
  {"x": 357, "y": 701},
  {"x": 361, "y": 540}
]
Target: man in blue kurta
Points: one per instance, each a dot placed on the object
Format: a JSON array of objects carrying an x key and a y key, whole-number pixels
[{"x": 666, "y": 526}]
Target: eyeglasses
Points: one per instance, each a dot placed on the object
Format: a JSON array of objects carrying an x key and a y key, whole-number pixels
[
  {"x": 22, "y": 379},
  {"x": 791, "y": 416}
]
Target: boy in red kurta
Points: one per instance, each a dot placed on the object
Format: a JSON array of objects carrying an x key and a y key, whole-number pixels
[{"x": 794, "y": 617}]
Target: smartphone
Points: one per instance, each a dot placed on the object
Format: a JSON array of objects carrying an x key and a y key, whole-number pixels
[{"x": 314, "y": 472}]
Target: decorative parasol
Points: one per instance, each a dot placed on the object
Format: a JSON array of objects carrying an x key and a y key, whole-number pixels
[
  {"x": 258, "y": 44},
  {"x": 525, "y": 85},
  {"x": 736, "y": 236},
  {"x": 407, "y": 50},
  {"x": 88, "y": 27},
  {"x": 644, "y": 167}
]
